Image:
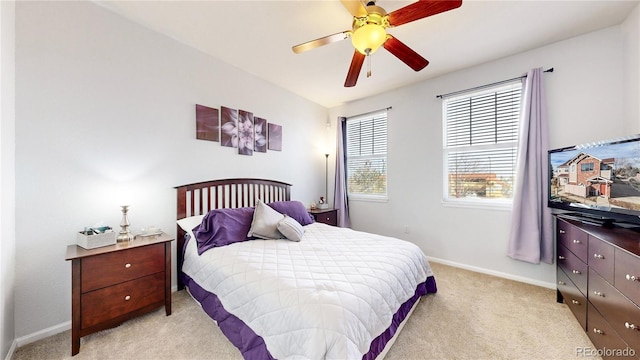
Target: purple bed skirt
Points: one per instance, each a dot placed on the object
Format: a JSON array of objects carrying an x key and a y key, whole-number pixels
[{"x": 253, "y": 347}]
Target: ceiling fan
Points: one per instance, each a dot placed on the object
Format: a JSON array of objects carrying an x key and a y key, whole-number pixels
[{"x": 368, "y": 32}]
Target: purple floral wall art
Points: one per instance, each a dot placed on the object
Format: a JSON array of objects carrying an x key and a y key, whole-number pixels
[
  {"x": 260, "y": 127},
  {"x": 275, "y": 137},
  {"x": 207, "y": 123},
  {"x": 245, "y": 132},
  {"x": 229, "y": 127},
  {"x": 237, "y": 129}
]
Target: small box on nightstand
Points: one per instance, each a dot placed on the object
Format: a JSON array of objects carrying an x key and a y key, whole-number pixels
[{"x": 96, "y": 240}]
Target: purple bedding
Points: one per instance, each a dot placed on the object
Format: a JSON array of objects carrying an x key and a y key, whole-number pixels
[{"x": 253, "y": 347}]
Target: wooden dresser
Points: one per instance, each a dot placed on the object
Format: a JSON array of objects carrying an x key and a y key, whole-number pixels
[
  {"x": 598, "y": 276},
  {"x": 112, "y": 284},
  {"x": 326, "y": 216}
]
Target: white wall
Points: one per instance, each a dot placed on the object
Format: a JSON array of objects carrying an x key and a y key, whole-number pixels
[
  {"x": 105, "y": 110},
  {"x": 631, "y": 43},
  {"x": 7, "y": 176},
  {"x": 585, "y": 100}
]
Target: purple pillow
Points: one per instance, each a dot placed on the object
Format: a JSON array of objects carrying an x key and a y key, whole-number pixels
[
  {"x": 294, "y": 209},
  {"x": 222, "y": 227}
]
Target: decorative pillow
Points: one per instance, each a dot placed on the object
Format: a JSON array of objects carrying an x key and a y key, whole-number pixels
[
  {"x": 222, "y": 227},
  {"x": 189, "y": 223},
  {"x": 265, "y": 222},
  {"x": 295, "y": 209},
  {"x": 290, "y": 228}
]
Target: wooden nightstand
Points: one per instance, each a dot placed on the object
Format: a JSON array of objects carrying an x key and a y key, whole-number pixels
[
  {"x": 326, "y": 216},
  {"x": 112, "y": 284}
]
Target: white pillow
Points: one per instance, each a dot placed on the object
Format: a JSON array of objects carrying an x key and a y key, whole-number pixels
[
  {"x": 265, "y": 222},
  {"x": 187, "y": 224},
  {"x": 290, "y": 228}
]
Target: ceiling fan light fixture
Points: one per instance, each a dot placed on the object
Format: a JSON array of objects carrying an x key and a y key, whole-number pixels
[{"x": 368, "y": 38}]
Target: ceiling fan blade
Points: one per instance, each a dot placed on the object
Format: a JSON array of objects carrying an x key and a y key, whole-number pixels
[
  {"x": 355, "y": 7},
  {"x": 321, "y": 42},
  {"x": 354, "y": 69},
  {"x": 421, "y": 9},
  {"x": 405, "y": 54}
]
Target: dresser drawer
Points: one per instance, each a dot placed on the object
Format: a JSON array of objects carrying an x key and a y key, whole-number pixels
[
  {"x": 119, "y": 266},
  {"x": 601, "y": 258},
  {"x": 573, "y": 298},
  {"x": 617, "y": 309},
  {"x": 573, "y": 239},
  {"x": 627, "y": 275},
  {"x": 601, "y": 333},
  {"x": 110, "y": 302},
  {"x": 573, "y": 267}
]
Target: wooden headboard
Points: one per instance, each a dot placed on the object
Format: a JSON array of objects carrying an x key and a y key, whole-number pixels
[{"x": 200, "y": 198}]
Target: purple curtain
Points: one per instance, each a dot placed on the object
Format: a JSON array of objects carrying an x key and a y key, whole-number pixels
[
  {"x": 530, "y": 238},
  {"x": 340, "y": 200}
]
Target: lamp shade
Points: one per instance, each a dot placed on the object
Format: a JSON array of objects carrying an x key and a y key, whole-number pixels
[{"x": 368, "y": 37}]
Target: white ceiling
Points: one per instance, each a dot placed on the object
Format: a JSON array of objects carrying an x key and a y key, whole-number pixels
[{"x": 257, "y": 36}]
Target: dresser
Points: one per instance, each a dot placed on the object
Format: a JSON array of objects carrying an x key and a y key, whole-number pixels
[
  {"x": 112, "y": 284},
  {"x": 598, "y": 277},
  {"x": 325, "y": 216}
]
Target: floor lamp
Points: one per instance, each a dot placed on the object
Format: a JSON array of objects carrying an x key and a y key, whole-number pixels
[
  {"x": 326, "y": 178},
  {"x": 326, "y": 183}
]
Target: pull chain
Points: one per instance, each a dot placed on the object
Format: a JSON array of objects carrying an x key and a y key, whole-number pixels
[{"x": 368, "y": 62}]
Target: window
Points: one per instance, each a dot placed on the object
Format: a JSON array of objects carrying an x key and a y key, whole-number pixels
[
  {"x": 480, "y": 145},
  {"x": 366, "y": 150},
  {"x": 586, "y": 167}
]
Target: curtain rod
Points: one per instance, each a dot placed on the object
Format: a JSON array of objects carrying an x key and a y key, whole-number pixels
[
  {"x": 370, "y": 112},
  {"x": 486, "y": 85}
]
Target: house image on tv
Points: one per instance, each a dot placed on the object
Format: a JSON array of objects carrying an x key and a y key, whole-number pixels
[{"x": 585, "y": 175}]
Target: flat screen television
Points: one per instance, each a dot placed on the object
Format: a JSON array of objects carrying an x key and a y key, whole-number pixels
[{"x": 597, "y": 182}]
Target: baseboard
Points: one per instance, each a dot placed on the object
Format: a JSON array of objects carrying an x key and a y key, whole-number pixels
[
  {"x": 12, "y": 349},
  {"x": 522, "y": 279},
  {"x": 43, "y": 334}
]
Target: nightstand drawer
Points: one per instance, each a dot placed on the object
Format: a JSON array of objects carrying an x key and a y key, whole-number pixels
[
  {"x": 111, "y": 302},
  {"x": 120, "y": 266},
  {"x": 325, "y": 216}
]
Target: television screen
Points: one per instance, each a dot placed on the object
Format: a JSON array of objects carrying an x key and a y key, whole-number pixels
[{"x": 599, "y": 179}]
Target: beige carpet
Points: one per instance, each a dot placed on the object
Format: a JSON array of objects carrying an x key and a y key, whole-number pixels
[{"x": 473, "y": 316}]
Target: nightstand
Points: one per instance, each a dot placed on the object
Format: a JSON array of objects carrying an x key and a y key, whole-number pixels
[
  {"x": 112, "y": 284},
  {"x": 326, "y": 216}
]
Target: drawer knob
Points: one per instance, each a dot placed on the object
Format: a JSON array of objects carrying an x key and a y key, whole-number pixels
[
  {"x": 560, "y": 282},
  {"x": 575, "y": 302},
  {"x": 127, "y": 298},
  {"x": 598, "y": 293},
  {"x": 577, "y": 272},
  {"x": 577, "y": 241},
  {"x": 631, "y": 277},
  {"x": 127, "y": 265},
  {"x": 598, "y": 256},
  {"x": 598, "y": 331},
  {"x": 560, "y": 257},
  {"x": 631, "y": 326},
  {"x": 562, "y": 231}
]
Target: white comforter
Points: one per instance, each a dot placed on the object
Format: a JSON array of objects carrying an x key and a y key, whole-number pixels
[{"x": 325, "y": 297}]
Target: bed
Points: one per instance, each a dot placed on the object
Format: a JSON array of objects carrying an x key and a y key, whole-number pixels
[{"x": 312, "y": 291}]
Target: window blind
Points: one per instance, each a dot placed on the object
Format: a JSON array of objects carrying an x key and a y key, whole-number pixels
[
  {"x": 481, "y": 138},
  {"x": 366, "y": 151}
]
